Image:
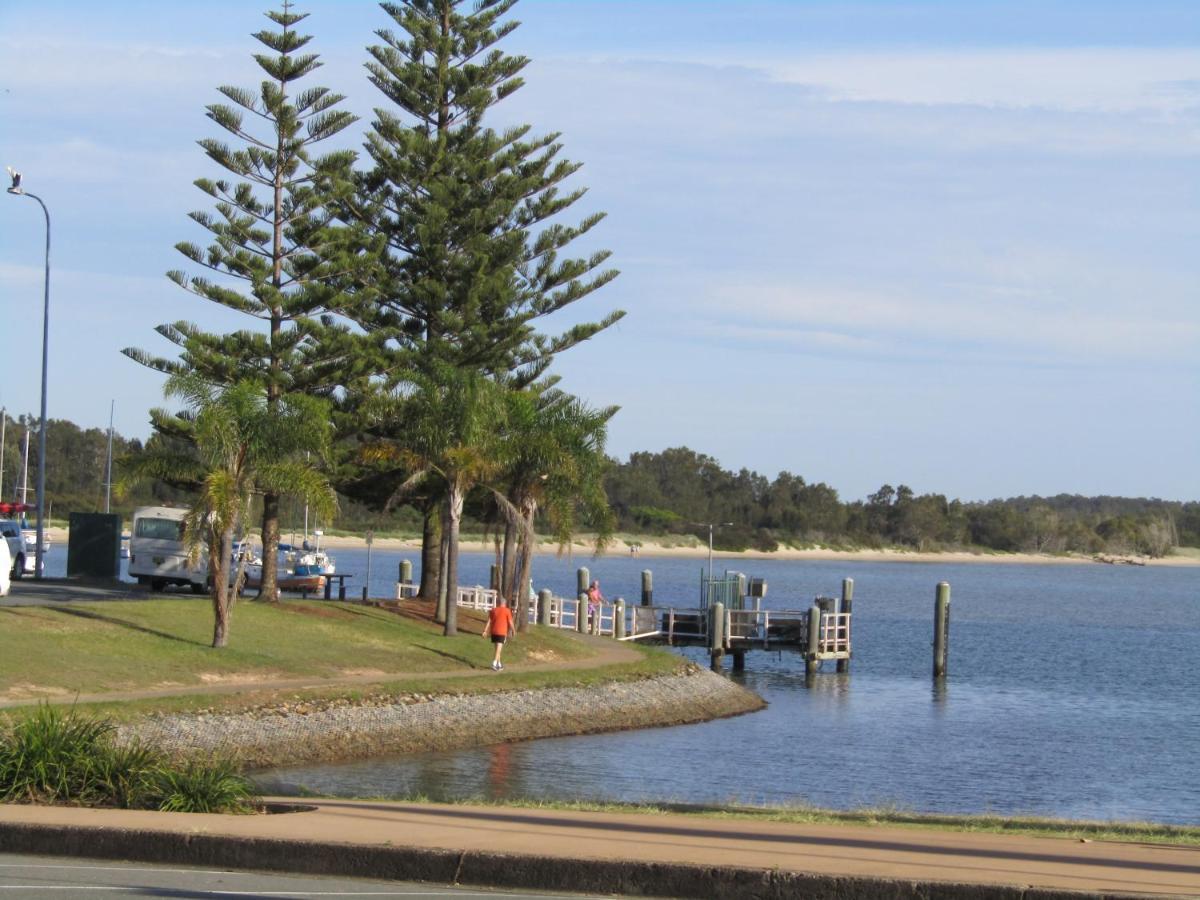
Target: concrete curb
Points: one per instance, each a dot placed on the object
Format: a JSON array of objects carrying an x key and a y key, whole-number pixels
[{"x": 504, "y": 870}]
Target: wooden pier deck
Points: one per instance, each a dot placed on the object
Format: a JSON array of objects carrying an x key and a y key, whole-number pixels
[{"x": 817, "y": 634}]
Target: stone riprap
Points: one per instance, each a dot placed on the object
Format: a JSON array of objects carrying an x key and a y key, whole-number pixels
[{"x": 312, "y": 731}]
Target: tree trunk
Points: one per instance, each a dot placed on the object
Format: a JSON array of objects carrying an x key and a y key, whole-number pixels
[
  {"x": 524, "y": 571},
  {"x": 270, "y": 527},
  {"x": 219, "y": 571},
  {"x": 454, "y": 509},
  {"x": 439, "y": 615},
  {"x": 270, "y": 552},
  {"x": 431, "y": 552},
  {"x": 508, "y": 562}
]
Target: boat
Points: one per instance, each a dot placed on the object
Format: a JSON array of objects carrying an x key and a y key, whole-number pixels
[
  {"x": 297, "y": 569},
  {"x": 313, "y": 560}
]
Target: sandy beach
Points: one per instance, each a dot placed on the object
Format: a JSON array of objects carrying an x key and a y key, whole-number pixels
[{"x": 651, "y": 548}]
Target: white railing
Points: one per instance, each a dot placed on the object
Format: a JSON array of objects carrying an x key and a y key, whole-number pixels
[
  {"x": 834, "y": 636},
  {"x": 664, "y": 621},
  {"x": 406, "y": 590},
  {"x": 641, "y": 622},
  {"x": 604, "y": 619},
  {"x": 564, "y": 613},
  {"x": 477, "y": 597}
]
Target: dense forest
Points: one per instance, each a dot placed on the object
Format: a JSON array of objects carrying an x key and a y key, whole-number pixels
[{"x": 680, "y": 491}]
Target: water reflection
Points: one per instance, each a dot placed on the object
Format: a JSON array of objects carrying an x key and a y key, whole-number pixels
[
  {"x": 940, "y": 693},
  {"x": 1046, "y": 720}
]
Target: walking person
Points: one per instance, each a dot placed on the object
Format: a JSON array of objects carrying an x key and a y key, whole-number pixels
[{"x": 500, "y": 627}]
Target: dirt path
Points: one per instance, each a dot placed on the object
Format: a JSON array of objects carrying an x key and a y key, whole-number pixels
[{"x": 607, "y": 652}]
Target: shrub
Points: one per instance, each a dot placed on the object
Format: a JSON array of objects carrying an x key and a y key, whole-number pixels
[
  {"x": 51, "y": 756},
  {"x": 204, "y": 786}
]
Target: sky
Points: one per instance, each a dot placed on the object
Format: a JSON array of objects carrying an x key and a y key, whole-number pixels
[{"x": 946, "y": 244}]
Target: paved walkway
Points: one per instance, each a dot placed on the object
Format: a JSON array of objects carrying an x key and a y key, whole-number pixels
[{"x": 657, "y": 855}]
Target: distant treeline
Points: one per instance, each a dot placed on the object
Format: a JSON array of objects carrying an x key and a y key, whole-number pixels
[
  {"x": 76, "y": 470},
  {"x": 679, "y": 491}
]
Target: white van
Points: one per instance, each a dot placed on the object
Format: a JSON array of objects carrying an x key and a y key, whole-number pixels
[{"x": 157, "y": 554}]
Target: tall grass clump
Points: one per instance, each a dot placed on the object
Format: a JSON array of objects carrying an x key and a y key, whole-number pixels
[{"x": 68, "y": 757}]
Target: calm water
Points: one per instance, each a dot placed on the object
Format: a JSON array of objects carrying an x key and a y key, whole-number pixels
[{"x": 1073, "y": 691}]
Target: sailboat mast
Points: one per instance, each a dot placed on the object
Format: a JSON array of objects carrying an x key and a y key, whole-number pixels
[
  {"x": 25, "y": 469},
  {"x": 3, "y": 429},
  {"x": 108, "y": 467}
]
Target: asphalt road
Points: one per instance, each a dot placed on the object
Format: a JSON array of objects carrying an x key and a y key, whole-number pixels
[
  {"x": 50, "y": 878},
  {"x": 57, "y": 591}
]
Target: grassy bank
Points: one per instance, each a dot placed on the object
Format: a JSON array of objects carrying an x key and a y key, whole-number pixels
[{"x": 157, "y": 647}]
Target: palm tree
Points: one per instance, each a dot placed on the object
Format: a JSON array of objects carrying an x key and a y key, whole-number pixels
[
  {"x": 230, "y": 444},
  {"x": 451, "y": 424},
  {"x": 555, "y": 463}
]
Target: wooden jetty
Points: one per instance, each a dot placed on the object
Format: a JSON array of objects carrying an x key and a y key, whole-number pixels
[
  {"x": 729, "y": 619},
  {"x": 724, "y": 622}
]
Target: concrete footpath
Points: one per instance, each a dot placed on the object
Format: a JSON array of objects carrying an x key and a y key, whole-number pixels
[{"x": 642, "y": 855}]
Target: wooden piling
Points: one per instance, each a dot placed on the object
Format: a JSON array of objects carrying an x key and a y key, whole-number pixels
[
  {"x": 364, "y": 593},
  {"x": 647, "y": 587},
  {"x": 582, "y": 583},
  {"x": 843, "y": 665},
  {"x": 545, "y": 598},
  {"x": 406, "y": 571},
  {"x": 739, "y": 660},
  {"x": 811, "y": 663},
  {"x": 619, "y": 618},
  {"x": 941, "y": 629},
  {"x": 716, "y": 634}
]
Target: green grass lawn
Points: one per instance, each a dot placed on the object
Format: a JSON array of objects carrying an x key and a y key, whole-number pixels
[{"x": 57, "y": 652}]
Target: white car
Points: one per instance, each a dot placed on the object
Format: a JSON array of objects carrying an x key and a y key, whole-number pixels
[
  {"x": 22, "y": 551},
  {"x": 5, "y": 582}
]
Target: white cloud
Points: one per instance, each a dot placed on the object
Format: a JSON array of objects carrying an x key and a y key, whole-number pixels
[
  {"x": 1101, "y": 79},
  {"x": 994, "y": 323}
]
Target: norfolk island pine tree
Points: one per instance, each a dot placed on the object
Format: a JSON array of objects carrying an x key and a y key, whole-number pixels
[
  {"x": 274, "y": 251},
  {"x": 472, "y": 258}
]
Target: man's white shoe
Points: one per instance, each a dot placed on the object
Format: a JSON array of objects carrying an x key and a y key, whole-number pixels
[{"x": 495, "y": 666}]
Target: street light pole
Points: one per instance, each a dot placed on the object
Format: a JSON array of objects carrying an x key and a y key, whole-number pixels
[{"x": 41, "y": 475}]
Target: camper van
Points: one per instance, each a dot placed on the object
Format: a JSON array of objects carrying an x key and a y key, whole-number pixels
[{"x": 157, "y": 554}]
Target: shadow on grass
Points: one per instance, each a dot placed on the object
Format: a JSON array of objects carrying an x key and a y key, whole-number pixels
[
  {"x": 452, "y": 656},
  {"x": 122, "y": 623}
]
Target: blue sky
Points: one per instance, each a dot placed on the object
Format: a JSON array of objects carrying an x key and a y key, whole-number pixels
[{"x": 947, "y": 244}]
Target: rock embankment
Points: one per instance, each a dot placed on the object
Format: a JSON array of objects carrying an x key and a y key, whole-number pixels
[{"x": 344, "y": 730}]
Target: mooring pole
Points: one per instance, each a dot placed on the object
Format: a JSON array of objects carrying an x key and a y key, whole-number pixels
[
  {"x": 619, "y": 618},
  {"x": 545, "y": 598},
  {"x": 811, "y": 663},
  {"x": 582, "y": 583},
  {"x": 843, "y": 665},
  {"x": 716, "y": 634},
  {"x": 941, "y": 629},
  {"x": 647, "y": 587},
  {"x": 739, "y": 660},
  {"x": 406, "y": 571}
]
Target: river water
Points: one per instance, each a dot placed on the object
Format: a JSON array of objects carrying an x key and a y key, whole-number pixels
[{"x": 1073, "y": 691}]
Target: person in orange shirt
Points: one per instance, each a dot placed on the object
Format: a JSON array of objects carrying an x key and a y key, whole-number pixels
[{"x": 500, "y": 627}]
